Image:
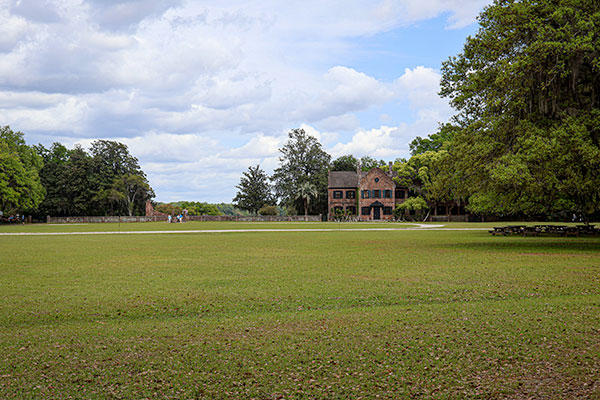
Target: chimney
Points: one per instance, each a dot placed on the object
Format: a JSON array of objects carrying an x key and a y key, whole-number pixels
[
  {"x": 390, "y": 165},
  {"x": 358, "y": 168}
]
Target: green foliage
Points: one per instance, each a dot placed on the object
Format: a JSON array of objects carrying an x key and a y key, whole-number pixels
[
  {"x": 108, "y": 181},
  {"x": 302, "y": 161},
  {"x": 344, "y": 163},
  {"x": 367, "y": 163},
  {"x": 230, "y": 209},
  {"x": 116, "y": 191},
  {"x": 340, "y": 215},
  {"x": 307, "y": 191},
  {"x": 527, "y": 88},
  {"x": 65, "y": 177},
  {"x": 426, "y": 174},
  {"x": 268, "y": 210},
  {"x": 197, "y": 208},
  {"x": 20, "y": 186},
  {"x": 169, "y": 209},
  {"x": 434, "y": 142},
  {"x": 415, "y": 204},
  {"x": 254, "y": 190},
  {"x": 130, "y": 188}
]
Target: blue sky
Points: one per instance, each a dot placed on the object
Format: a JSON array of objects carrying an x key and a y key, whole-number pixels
[{"x": 200, "y": 90}]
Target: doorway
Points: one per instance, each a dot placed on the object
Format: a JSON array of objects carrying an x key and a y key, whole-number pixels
[{"x": 376, "y": 212}]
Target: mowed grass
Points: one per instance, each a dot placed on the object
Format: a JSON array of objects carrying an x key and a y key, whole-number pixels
[
  {"x": 197, "y": 225},
  {"x": 401, "y": 314}
]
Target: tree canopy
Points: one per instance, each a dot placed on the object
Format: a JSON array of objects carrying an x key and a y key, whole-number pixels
[
  {"x": 527, "y": 91},
  {"x": 344, "y": 163},
  {"x": 434, "y": 142},
  {"x": 20, "y": 187},
  {"x": 302, "y": 161},
  {"x": 106, "y": 181}
]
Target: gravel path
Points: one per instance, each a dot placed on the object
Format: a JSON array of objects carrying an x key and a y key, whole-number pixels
[{"x": 420, "y": 227}]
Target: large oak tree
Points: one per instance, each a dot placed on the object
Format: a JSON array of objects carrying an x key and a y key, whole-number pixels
[{"x": 527, "y": 91}]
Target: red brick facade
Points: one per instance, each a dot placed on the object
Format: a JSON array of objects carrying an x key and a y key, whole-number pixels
[
  {"x": 344, "y": 199},
  {"x": 376, "y": 192},
  {"x": 366, "y": 196}
]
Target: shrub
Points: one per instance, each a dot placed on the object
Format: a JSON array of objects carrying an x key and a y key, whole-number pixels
[{"x": 268, "y": 210}]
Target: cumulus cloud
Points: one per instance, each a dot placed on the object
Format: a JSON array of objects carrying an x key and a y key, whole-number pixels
[{"x": 201, "y": 89}]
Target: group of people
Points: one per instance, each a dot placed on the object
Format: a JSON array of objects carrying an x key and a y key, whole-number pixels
[
  {"x": 178, "y": 218},
  {"x": 13, "y": 219}
]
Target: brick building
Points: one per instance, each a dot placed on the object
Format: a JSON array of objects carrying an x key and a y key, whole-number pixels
[{"x": 368, "y": 195}]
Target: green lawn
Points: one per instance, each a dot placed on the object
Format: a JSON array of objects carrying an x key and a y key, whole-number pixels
[
  {"x": 196, "y": 225},
  {"x": 399, "y": 314}
]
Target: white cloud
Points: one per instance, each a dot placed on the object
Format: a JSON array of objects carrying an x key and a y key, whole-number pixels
[{"x": 200, "y": 90}]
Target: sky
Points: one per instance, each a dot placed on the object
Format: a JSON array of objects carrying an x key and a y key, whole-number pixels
[{"x": 201, "y": 90}]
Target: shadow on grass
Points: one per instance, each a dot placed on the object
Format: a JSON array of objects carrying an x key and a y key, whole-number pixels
[{"x": 535, "y": 244}]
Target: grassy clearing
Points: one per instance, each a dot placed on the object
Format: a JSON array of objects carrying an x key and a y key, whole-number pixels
[
  {"x": 196, "y": 225},
  {"x": 300, "y": 315}
]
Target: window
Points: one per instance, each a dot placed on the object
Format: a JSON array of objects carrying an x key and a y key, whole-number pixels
[
  {"x": 387, "y": 194},
  {"x": 376, "y": 194},
  {"x": 365, "y": 194},
  {"x": 338, "y": 194},
  {"x": 365, "y": 210},
  {"x": 337, "y": 209},
  {"x": 399, "y": 194},
  {"x": 387, "y": 210},
  {"x": 350, "y": 194},
  {"x": 351, "y": 210}
]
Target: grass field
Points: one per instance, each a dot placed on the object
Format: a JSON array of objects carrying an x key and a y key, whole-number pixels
[{"x": 297, "y": 315}]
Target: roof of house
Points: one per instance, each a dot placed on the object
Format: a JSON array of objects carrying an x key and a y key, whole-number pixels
[
  {"x": 348, "y": 179},
  {"x": 343, "y": 179}
]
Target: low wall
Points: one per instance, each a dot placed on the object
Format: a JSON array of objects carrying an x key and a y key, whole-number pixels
[
  {"x": 260, "y": 218},
  {"x": 92, "y": 220},
  {"x": 449, "y": 218}
]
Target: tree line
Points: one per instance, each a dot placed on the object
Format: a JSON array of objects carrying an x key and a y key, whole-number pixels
[
  {"x": 57, "y": 181},
  {"x": 525, "y": 139},
  {"x": 299, "y": 184}
]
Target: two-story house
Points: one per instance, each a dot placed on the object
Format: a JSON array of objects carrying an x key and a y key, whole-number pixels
[{"x": 369, "y": 195}]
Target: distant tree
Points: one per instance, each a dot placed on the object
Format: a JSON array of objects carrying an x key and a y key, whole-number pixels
[
  {"x": 415, "y": 204},
  {"x": 197, "y": 208},
  {"x": 112, "y": 162},
  {"x": 20, "y": 187},
  {"x": 302, "y": 160},
  {"x": 268, "y": 210},
  {"x": 367, "y": 163},
  {"x": 207, "y": 209},
  {"x": 254, "y": 190},
  {"x": 344, "y": 163},
  {"x": 66, "y": 177},
  {"x": 230, "y": 209},
  {"x": 169, "y": 209},
  {"x": 130, "y": 189},
  {"x": 306, "y": 191}
]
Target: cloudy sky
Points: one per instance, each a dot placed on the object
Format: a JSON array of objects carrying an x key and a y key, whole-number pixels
[{"x": 200, "y": 90}]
